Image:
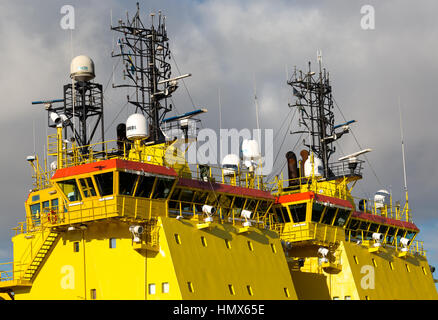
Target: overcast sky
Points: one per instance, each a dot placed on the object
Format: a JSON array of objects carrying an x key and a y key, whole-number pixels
[{"x": 226, "y": 45}]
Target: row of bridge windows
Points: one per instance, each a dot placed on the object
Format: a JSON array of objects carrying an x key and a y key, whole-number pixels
[
  {"x": 190, "y": 201},
  {"x": 363, "y": 230},
  {"x": 322, "y": 214},
  {"x": 128, "y": 184}
]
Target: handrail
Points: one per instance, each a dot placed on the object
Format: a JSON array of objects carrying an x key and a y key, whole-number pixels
[
  {"x": 307, "y": 231},
  {"x": 383, "y": 209},
  {"x": 415, "y": 247},
  {"x": 188, "y": 208},
  {"x": 241, "y": 177}
]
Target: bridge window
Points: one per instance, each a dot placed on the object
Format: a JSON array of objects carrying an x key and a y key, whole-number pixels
[
  {"x": 284, "y": 213},
  {"x": 400, "y": 234},
  {"x": 383, "y": 229},
  {"x": 410, "y": 235},
  {"x": 186, "y": 195},
  {"x": 104, "y": 183},
  {"x": 163, "y": 187},
  {"x": 298, "y": 212},
  {"x": 329, "y": 215},
  {"x": 200, "y": 197},
  {"x": 341, "y": 217},
  {"x": 199, "y": 200},
  {"x": 54, "y": 204},
  {"x": 317, "y": 212},
  {"x": 251, "y": 205},
  {"x": 238, "y": 204},
  {"x": 374, "y": 227},
  {"x": 144, "y": 187},
  {"x": 364, "y": 225},
  {"x": 87, "y": 187},
  {"x": 353, "y": 224},
  {"x": 46, "y": 206},
  {"x": 35, "y": 211},
  {"x": 175, "y": 194},
  {"x": 225, "y": 204},
  {"x": 279, "y": 215},
  {"x": 70, "y": 189},
  {"x": 263, "y": 206},
  {"x": 127, "y": 183},
  {"x": 390, "y": 235},
  {"x": 186, "y": 200}
]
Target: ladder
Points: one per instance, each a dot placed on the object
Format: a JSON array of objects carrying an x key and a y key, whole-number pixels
[{"x": 40, "y": 256}]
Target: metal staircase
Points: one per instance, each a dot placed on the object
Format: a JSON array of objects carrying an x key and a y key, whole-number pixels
[{"x": 40, "y": 256}]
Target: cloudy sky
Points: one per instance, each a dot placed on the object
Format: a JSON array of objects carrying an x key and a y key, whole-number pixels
[{"x": 226, "y": 45}]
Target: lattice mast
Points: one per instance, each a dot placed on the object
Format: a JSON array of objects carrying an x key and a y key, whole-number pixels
[
  {"x": 83, "y": 100},
  {"x": 315, "y": 104},
  {"x": 145, "y": 54}
]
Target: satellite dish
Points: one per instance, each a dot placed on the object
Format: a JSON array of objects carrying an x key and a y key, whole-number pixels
[
  {"x": 250, "y": 149},
  {"x": 230, "y": 163},
  {"x": 318, "y": 167},
  {"x": 136, "y": 127},
  {"x": 82, "y": 68}
]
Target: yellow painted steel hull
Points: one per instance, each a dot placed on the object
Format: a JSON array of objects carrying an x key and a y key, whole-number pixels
[{"x": 188, "y": 263}]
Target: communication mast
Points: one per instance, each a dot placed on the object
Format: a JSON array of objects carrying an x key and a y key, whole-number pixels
[
  {"x": 315, "y": 105},
  {"x": 83, "y": 99},
  {"x": 145, "y": 54}
]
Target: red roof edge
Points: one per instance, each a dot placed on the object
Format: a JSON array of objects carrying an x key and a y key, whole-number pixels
[
  {"x": 295, "y": 197},
  {"x": 384, "y": 220},
  {"x": 110, "y": 164},
  {"x": 224, "y": 188}
]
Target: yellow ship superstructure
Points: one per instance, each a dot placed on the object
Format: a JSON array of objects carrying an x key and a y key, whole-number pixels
[
  {"x": 336, "y": 250},
  {"x": 131, "y": 218},
  {"x": 122, "y": 228}
]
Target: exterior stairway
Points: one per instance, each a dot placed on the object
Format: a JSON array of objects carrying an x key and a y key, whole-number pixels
[{"x": 40, "y": 256}]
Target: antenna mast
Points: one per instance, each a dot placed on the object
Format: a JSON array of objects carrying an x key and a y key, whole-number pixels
[
  {"x": 404, "y": 162},
  {"x": 145, "y": 53},
  {"x": 315, "y": 105}
]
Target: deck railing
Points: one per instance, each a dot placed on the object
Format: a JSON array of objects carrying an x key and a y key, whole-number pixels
[{"x": 358, "y": 236}]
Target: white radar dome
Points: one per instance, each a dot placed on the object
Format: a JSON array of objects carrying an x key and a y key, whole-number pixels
[
  {"x": 317, "y": 167},
  {"x": 82, "y": 68},
  {"x": 381, "y": 198},
  {"x": 230, "y": 163},
  {"x": 250, "y": 149},
  {"x": 136, "y": 126}
]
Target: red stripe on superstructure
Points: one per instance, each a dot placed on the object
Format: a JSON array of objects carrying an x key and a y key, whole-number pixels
[
  {"x": 224, "y": 188},
  {"x": 110, "y": 164},
  {"x": 384, "y": 220},
  {"x": 335, "y": 201},
  {"x": 146, "y": 167},
  {"x": 295, "y": 197}
]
